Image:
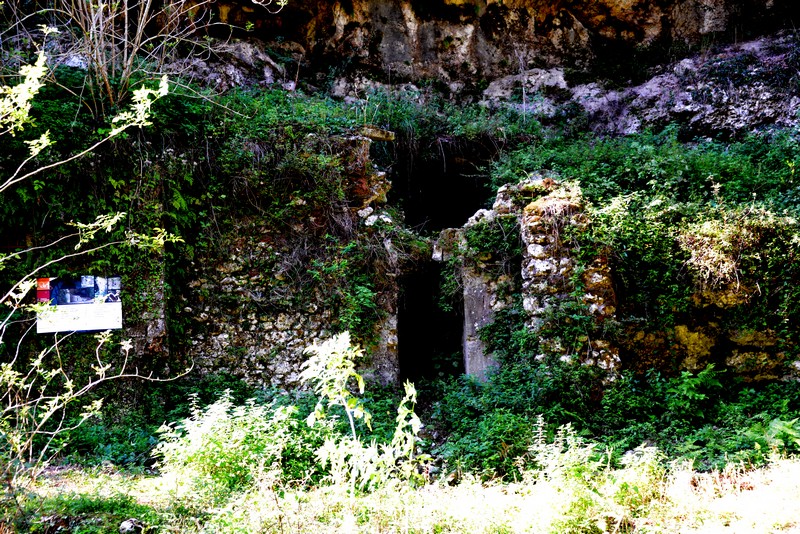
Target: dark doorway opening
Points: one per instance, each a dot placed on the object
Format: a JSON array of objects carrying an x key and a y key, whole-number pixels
[
  {"x": 429, "y": 338},
  {"x": 444, "y": 188},
  {"x": 439, "y": 191}
]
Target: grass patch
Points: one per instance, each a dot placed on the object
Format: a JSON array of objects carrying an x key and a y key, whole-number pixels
[{"x": 565, "y": 487}]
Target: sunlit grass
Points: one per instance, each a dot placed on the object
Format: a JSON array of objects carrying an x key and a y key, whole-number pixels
[
  {"x": 734, "y": 500},
  {"x": 636, "y": 498}
]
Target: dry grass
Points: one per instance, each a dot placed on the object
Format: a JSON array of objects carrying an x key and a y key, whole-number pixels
[{"x": 735, "y": 500}]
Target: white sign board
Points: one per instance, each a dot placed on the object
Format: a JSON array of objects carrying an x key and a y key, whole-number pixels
[{"x": 80, "y": 317}]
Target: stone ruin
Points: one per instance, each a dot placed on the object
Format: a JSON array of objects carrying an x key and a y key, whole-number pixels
[
  {"x": 546, "y": 212},
  {"x": 542, "y": 208}
]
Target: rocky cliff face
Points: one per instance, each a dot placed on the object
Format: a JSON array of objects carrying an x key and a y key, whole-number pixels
[
  {"x": 737, "y": 88},
  {"x": 625, "y": 64},
  {"x": 466, "y": 41}
]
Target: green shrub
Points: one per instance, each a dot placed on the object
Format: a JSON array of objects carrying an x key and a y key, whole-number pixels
[
  {"x": 709, "y": 417},
  {"x": 126, "y": 445},
  {"x": 224, "y": 448},
  {"x": 330, "y": 367},
  {"x": 489, "y": 424},
  {"x": 689, "y": 395},
  {"x": 492, "y": 446}
]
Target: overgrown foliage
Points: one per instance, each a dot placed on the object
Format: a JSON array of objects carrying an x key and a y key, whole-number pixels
[
  {"x": 699, "y": 233},
  {"x": 37, "y": 390},
  {"x": 691, "y": 415},
  {"x": 675, "y": 219},
  {"x": 224, "y": 453},
  {"x": 567, "y": 485}
]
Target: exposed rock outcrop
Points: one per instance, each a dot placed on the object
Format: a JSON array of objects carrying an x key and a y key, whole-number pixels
[
  {"x": 231, "y": 64},
  {"x": 737, "y": 89},
  {"x": 530, "y": 53},
  {"x": 462, "y": 40}
]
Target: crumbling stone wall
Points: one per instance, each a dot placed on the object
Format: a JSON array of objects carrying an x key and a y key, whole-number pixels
[
  {"x": 551, "y": 277},
  {"x": 549, "y": 269},
  {"x": 252, "y": 310},
  {"x": 542, "y": 208}
]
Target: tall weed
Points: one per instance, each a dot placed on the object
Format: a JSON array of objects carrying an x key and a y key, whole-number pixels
[{"x": 359, "y": 465}]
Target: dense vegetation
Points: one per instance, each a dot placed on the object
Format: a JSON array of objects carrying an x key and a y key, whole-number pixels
[{"x": 676, "y": 217}]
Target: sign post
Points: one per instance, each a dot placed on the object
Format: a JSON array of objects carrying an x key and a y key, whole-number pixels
[{"x": 85, "y": 304}]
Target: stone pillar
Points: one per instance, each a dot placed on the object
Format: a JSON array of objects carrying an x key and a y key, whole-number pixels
[
  {"x": 548, "y": 271},
  {"x": 384, "y": 366},
  {"x": 546, "y": 262},
  {"x": 478, "y": 296},
  {"x": 478, "y": 312},
  {"x": 147, "y": 329}
]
